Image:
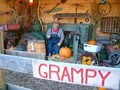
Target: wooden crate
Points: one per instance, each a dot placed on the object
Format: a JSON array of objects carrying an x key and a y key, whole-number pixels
[
  {"x": 37, "y": 46},
  {"x": 110, "y": 24}
]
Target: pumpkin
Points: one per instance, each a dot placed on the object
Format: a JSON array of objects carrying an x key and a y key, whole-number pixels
[
  {"x": 65, "y": 51},
  {"x": 89, "y": 62},
  {"x": 84, "y": 62},
  {"x": 11, "y": 48},
  {"x": 92, "y": 42},
  {"x": 84, "y": 58},
  {"x": 101, "y": 88},
  {"x": 89, "y": 58}
]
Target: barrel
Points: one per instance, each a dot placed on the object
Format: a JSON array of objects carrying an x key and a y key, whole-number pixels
[{"x": 37, "y": 46}]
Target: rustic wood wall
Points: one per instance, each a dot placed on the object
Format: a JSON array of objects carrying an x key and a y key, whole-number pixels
[
  {"x": 68, "y": 7},
  {"x": 11, "y": 11},
  {"x": 4, "y": 7}
]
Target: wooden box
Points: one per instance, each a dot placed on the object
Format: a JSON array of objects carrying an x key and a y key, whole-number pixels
[{"x": 37, "y": 46}]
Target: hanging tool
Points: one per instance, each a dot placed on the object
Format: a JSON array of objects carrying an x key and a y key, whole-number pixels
[
  {"x": 61, "y": 1},
  {"x": 3, "y": 13},
  {"x": 76, "y": 8}
]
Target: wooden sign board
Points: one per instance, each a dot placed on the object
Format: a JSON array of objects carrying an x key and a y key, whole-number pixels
[
  {"x": 77, "y": 74},
  {"x": 63, "y": 72}
]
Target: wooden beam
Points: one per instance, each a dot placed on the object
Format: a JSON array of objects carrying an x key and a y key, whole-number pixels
[
  {"x": 2, "y": 80},
  {"x": 16, "y": 63},
  {"x": 1, "y": 41},
  {"x": 25, "y": 54},
  {"x": 71, "y": 15},
  {"x": 2, "y": 72}
]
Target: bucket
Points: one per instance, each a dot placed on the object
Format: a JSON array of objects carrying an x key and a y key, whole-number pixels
[
  {"x": 92, "y": 48},
  {"x": 37, "y": 46}
]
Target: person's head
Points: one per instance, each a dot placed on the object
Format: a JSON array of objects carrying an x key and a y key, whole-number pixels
[{"x": 55, "y": 24}]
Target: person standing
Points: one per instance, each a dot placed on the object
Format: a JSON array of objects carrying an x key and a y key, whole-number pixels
[{"x": 55, "y": 37}]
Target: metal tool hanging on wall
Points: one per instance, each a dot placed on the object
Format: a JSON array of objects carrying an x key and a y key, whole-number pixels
[
  {"x": 76, "y": 8},
  {"x": 61, "y": 1},
  {"x": 103, "y": 11},
  {"x": 4, "y": 13}
]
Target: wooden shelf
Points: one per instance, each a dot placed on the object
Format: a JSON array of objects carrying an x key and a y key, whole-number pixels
[{"x": 71, "y": 15}]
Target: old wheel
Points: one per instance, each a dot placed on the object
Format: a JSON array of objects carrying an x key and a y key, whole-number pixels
[{"x": 115, "y": 58}]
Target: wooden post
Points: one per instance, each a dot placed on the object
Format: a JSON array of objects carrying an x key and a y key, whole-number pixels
[{"x": 2, "y": 72}]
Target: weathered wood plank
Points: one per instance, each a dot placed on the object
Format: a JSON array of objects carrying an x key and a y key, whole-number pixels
[
  {"x": 70, "y": 15},
  {"x": 25, "y": 54},
  {"x": 2, "y": 73},
  {"x": 16, "y": 63},
  {"x": 1, "y": 41},
  {"x": 2, "y": 80},
  {"x": 68, "y": 27},
  {"x": 103, "y": 39}
]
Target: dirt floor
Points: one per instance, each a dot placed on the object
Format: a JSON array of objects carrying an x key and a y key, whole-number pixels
[{"x": 26, "y": 80}]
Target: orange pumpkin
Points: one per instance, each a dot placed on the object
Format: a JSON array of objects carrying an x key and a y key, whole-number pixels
[
  {"x": 101, "y": 88},
  {"x": 89, "y": 62},
  {"x": 84, "y": 62},
  {"x": 65, "y": 51},
  {"x": 92, "y": 42},
  {"x": 11, "y": 48}
]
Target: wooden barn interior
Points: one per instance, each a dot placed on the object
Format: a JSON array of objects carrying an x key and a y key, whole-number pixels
[{"x": 91, "y": 30}]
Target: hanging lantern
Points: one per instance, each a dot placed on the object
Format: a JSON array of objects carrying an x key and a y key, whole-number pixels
[
  {"x": 30, "y": 2},
  {"x": 103, "y": 2}
]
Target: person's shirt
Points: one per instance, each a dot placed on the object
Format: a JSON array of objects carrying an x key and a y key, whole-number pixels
[{"x": 59, "y": 33}]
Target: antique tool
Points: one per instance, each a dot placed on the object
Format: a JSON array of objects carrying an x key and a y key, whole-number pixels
[
  {"x": 61, "y": 1},
  {"x": 115, "y": 58},
  {"x": 3, "y": 13},
  {"x": 103, "y": 11},
  {"x": 87, "y": 19},
  {"x": 76, "y": 8}
]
